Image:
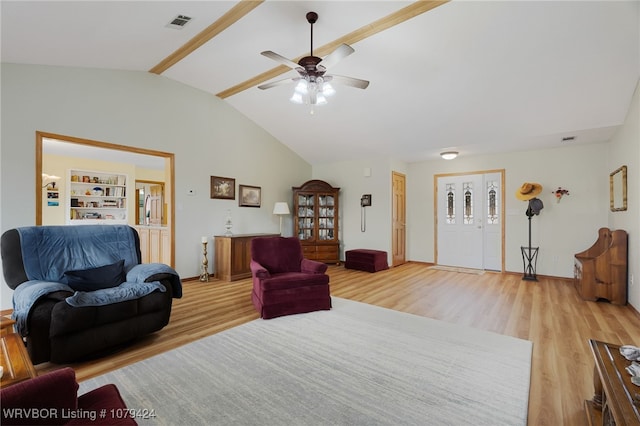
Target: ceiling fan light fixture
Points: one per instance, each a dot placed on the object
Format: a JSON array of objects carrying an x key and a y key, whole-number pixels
[
  {"x": 449, "y": 155},
  {"x": 301, "y": 87},
  {"x": 320, "y": 99},
  {"x": 328, "y": 90},
  {"x": 296, "y": 98},
  {"x": 313, "y": 83}
]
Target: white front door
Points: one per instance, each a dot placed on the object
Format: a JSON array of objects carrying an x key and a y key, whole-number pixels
[{"x": 468, "y": 225}]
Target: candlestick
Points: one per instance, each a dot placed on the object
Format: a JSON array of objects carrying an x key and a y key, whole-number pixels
[
  {"x": 204, "y": 239},
  {"x": 204, "y": 276}
]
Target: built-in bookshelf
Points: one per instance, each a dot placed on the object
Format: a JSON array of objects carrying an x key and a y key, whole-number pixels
[{"x": 97, "y": 197}]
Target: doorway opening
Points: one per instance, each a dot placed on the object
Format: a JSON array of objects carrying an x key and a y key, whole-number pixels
[
  {"x": 150, "y": 203},
  {"x": 89, "y": 149}
]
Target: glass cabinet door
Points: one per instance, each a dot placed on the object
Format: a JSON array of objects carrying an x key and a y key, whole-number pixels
[
  {"x": 326, "y": 217},
  {"x": 306, "y": 216},
  {"x": 316, "y": 209}
]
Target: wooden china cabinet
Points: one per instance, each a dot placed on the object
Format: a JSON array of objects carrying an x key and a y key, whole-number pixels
[{"x": 315, "y": 218}]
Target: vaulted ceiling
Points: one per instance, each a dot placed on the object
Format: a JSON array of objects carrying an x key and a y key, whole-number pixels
[{"x": 479, "y": 77}]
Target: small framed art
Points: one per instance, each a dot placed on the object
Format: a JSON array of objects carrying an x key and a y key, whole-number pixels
[
  {"x": 250, "y": 196},
  {"x": 223, "y": 188}
]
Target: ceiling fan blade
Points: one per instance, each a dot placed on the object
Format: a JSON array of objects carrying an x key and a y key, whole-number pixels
[
  {"x": 337, "y": 55},
  {"x": 277, "y": 83},
  {"x": 279, "y": 58},
  {"x": 350, "y": 81}
]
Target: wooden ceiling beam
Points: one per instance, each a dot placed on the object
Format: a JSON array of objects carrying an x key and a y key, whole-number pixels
[
  {"x": 234, "y": 14},
  {"x": 391, "y": 20}
]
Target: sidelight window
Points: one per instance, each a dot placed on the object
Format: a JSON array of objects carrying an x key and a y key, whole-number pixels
[{"x": 492, "y": 203}]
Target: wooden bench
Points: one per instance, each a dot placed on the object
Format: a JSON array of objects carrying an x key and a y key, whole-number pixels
[
  {"x": 600, "y": 272},
  {"x": 366, "y": 260}
]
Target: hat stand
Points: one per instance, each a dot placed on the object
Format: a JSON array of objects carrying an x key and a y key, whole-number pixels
[{"x": 529, "y": 254}]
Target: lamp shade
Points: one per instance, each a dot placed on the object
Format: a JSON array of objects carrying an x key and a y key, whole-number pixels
[{"x": 281, "y": 208}]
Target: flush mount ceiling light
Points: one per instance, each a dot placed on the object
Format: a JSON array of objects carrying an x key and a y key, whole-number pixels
[{"x": 449, "y": 155}]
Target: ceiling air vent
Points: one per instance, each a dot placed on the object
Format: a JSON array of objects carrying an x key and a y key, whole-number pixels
[
  {"x": 179, "y": 21},
  {"x": 568, "y": 138}
]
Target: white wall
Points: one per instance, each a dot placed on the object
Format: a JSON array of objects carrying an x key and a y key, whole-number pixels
[
  {"x": 144, "y": 110},
  {"x": 560, "y": 230},
  {"x": 625, "y": 150},
  {"x": 350, "y": 177}
]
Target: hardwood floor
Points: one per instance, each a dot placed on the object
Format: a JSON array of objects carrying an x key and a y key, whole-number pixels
[{"x": 548, "y": 312}]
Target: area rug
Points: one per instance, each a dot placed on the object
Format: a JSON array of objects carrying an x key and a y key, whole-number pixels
[
  {"x": 457, "y": 269},
  {"x": 356, "y": 364}
]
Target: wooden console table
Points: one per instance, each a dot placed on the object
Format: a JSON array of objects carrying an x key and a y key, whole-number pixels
[
  {"x": 616, "y": 400},
  {"x": 14, "y": 358},
  {"x": 232, "y": 255}
]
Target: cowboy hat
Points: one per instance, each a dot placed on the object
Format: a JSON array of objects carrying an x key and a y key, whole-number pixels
[{"x": 528, "y": 191}]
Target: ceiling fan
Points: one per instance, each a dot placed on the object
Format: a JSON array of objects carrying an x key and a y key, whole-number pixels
[{"x": 313, "y": 83}]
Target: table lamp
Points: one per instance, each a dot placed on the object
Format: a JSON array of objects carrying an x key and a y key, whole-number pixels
[{"x": 281, "y": 208}]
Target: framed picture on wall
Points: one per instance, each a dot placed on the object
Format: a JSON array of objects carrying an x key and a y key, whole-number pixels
[
  {"x": 223, "y": 188},
  {"x": 250, "y": 196}
]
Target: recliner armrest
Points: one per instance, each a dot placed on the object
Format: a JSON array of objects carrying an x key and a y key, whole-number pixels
[
  {"x": 258, "y": 271},
  {"x": 146, "y": 272},
  {"x": 313, "y": 266}
]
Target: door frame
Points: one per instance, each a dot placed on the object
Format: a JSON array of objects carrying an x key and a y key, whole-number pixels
[
  {"x": 394, "y": 225},
  {"x": 502, "y": 209},
  {"x": 168, "y": 156}
]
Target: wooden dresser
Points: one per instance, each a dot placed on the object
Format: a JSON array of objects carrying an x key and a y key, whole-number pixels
[
  {"x": 616, "y": 400},
  {"x": 600, "y": 272},
  {"x": 232, "y": 255}
]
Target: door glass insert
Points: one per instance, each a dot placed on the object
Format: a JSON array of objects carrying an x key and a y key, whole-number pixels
[
  {"x": 451, "y": 203},
  {"x": 467, "y": 217}
]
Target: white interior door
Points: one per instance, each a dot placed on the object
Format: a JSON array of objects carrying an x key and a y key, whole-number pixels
[{"x": 469, "y": 232}]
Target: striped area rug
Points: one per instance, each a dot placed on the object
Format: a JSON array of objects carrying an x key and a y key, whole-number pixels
[{"x": 354, "y": 365}]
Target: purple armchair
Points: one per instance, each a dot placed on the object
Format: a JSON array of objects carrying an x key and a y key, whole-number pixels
[
  {"x": 52, "y": 399},
  {"x": 284, "y": 282}
]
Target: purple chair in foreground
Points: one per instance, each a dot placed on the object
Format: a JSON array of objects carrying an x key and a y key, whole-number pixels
[
  {"x": 52, "y": 399},
  {"x": 284, "y": 282}
]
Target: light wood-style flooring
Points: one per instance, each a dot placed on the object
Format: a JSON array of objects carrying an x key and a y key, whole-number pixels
[{"x": 548, "y": 312}]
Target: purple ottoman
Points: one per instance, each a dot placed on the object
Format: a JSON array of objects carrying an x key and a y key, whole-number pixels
[{"x": 366, "y": 260}]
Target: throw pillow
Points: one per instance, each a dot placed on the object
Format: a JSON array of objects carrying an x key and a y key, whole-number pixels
[{"x": 96, "y": 278}]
